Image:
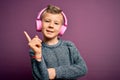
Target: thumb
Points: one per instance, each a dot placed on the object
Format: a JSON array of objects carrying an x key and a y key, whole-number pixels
[{"x": 38, "y": 38}]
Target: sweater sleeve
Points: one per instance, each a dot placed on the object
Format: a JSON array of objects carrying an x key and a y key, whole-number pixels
[
  {"x": 76, "y": 69},
  {"x": 39, "y": 69}
]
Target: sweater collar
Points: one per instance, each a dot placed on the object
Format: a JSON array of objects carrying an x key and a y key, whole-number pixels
[{"x": 52, "y": 46}]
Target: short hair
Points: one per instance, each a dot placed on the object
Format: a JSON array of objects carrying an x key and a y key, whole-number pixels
[{"x": 52, "y": 9}]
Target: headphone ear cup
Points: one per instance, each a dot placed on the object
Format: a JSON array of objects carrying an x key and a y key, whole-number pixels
[
  {"x": 39, "y": 25},
  {"x": 62, "y": 30}
]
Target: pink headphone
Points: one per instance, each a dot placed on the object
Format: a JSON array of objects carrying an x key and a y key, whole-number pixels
[{"x": 39, "y": 22}]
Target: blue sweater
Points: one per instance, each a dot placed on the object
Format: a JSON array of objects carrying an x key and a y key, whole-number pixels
[{"x": 64, "y": 57}]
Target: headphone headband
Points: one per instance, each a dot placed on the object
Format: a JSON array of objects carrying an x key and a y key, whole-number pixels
[{"x": 64, "y": 16}]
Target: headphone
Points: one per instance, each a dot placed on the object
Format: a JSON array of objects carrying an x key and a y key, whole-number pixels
[{"x": 39, "y": 23}]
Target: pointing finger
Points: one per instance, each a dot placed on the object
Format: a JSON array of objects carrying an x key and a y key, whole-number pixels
[{"x": 27, "y": 36}]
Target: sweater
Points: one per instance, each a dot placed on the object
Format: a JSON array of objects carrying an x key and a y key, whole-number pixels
[{"x": 64, "y": 57}]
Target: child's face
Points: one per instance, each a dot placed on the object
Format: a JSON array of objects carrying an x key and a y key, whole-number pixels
[{"x": 51, "y": 25}]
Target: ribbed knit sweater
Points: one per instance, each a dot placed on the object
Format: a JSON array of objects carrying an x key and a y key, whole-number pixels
[{"x": 64, "y": 57}]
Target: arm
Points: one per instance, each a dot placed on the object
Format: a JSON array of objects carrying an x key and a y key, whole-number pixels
[
  {"x": 39, "y": 69},
  {"x": 38, "y": 65},
  {"x": 76, "y": 69}
]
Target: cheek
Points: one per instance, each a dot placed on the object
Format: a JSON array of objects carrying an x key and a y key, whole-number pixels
[
  {"x": 58, "y": 28},
  {"x": 43, "y": 26}
]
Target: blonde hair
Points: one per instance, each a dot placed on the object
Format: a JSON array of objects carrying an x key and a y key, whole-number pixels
[{"x": 52, "y": 9}]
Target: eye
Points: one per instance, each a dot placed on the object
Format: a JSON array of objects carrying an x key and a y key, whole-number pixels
[
  {"x": 47, "y": 21},
  {"x": 56, "y": 23}
]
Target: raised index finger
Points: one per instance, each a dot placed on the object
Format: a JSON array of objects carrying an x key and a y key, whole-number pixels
[{"x": 27, "y": 36}]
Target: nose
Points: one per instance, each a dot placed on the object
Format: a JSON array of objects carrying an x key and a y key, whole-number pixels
[{"x": 51, "y": 25}]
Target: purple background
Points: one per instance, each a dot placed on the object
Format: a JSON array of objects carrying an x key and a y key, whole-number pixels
[{"x": 93, "y": 25}]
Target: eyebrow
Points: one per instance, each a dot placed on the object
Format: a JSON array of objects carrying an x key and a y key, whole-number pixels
[{"x": 50, "y": 19}]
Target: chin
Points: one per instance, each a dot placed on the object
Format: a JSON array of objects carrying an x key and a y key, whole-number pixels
[{"x": 51, "y": 36}]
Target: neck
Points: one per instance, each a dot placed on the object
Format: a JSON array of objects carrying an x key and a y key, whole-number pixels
[{"x": 51, "y": 41}]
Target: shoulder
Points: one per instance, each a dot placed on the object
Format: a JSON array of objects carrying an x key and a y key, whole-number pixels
[{"x": 68, "y": 43}]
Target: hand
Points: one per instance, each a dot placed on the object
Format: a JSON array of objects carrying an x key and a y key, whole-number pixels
[
  {"x": 52, "y": 73},
  {"x": 35, "y": 45}
]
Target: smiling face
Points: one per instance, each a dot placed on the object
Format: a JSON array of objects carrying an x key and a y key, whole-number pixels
[{"x": 51, "y": 25}]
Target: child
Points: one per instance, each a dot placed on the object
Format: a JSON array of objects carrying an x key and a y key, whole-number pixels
[{"x": 53, "y": 58}]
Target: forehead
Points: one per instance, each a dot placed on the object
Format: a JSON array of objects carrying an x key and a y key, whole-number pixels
[{"x": 57, "y": 17}]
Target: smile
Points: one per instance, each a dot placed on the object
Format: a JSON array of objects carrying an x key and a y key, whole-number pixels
[{"x": 49, "y": 31}]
